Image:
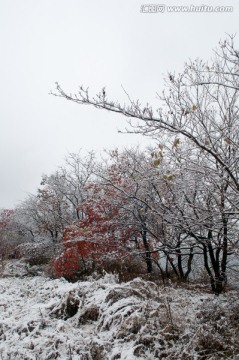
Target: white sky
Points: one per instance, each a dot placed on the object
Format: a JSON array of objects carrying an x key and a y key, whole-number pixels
[{"x": 93, "y": 43}]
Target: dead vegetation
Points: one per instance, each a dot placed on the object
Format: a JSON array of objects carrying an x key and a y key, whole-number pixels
[
  {"x": 105, "y": 320},
  {"x": 155, "y": 322}
]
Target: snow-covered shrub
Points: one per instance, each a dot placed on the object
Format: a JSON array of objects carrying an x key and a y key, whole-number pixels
[
  {"x": 218, "y": 328},
  {"x": 35, "y": 253},
  {"x": 106, "y": 320},
  {"x": 68, "y": 307}
]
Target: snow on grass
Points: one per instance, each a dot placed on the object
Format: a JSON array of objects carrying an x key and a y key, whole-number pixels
[{"x": 101, "y": 319}]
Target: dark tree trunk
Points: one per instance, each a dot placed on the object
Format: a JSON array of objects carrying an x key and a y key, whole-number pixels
[
  {"x": 189, "y": 264},
  {"x": 217, "y": 272},
  {"x": 179, "y": 256},
  {"x": 170, "y": 261},
  {"x": 148, "y": 258},
  {"x": 184, "y": 275}
]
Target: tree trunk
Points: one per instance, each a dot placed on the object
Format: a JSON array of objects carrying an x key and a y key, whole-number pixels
[{"x": 147, "y": 250}]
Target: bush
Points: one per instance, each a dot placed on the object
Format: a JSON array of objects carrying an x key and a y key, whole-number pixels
[{"x": 34, "y": 253}]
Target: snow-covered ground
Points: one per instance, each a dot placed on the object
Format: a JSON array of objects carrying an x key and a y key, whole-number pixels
[{"x": 101, "y": 319}]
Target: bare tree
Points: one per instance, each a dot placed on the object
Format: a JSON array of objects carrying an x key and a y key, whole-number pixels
[
  {"x": 201, "y": 105},
  {"x": 199, "y": 118}
]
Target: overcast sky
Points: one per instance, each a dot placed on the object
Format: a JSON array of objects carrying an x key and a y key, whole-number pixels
[{"x": 96, "y": 43}]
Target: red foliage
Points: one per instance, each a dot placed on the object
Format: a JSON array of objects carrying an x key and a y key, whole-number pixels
[
  {"x": 5, "y": 218},
  {"x": 99, "y": 235}
]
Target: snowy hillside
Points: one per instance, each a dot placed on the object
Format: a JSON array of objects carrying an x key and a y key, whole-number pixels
[{"x": 101, "y": 319}]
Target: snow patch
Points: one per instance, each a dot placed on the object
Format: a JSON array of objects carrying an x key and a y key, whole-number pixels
[{"x": 102, "y": 319}]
